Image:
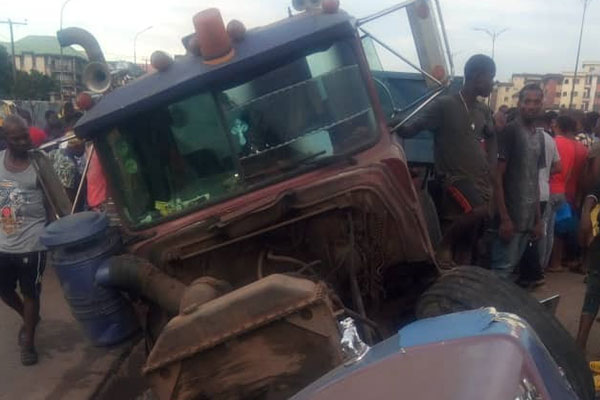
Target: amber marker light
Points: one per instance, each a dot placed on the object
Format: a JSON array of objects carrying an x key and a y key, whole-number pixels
[{"x": 213, "y": 40}]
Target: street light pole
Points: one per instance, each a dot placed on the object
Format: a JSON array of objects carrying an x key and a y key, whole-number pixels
[
  {"x": 62, "y": 10},
  {"x": 60, "y": 73},
  {"x": 493, "y": 34},
  {"x": 12, "y": 45},
  {"x": 586, "y": 3},
  {"x": 135, "y": 43}
]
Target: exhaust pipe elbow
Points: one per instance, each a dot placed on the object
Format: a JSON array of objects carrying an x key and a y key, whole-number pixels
[
  {"x": 138, "y": 276},
  {"x": 81, "y": 37}
]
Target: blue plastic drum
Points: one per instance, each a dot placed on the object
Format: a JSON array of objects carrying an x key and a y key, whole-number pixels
[{"x": 78, "y": 245}]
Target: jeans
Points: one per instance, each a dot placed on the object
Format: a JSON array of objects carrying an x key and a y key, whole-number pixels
[
  {"x": 505, "y": 256},
  {"x": 549, "y": 219}
]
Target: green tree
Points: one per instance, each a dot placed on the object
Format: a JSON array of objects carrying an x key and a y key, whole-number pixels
[
  {"x": 5, "y": 73},
  {"x": 34, "y": 86}
]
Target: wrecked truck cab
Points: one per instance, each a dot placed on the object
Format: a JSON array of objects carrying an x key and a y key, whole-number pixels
[
  {"x": 275, "y": 161},
  {"x": 295, "y": 97},
  {"x": 263, "y": 200},
  {"x": 276, "y": 124}
]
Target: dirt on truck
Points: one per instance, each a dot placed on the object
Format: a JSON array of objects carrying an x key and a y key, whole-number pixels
[{"x": 262, "y": 200}]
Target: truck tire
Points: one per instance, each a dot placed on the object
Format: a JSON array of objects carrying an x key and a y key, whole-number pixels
[{"x": 468, "y": 288}]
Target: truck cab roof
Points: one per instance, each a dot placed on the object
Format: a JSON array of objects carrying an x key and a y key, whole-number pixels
[{"x": 261, "y": 49}]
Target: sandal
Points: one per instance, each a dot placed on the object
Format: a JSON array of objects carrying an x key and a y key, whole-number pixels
[
  {"x": 22, "y": 336},
  {"x": 28, "y": 356}
]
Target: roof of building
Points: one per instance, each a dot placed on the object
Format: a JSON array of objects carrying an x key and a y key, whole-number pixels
[
  {"x": 42, "y": 45},
  {"x": 580, "y": 74},
  {"x": 526, "y": 75}
]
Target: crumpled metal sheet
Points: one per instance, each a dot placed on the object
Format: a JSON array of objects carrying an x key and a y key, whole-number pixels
[{"x": 231, "y": 315}]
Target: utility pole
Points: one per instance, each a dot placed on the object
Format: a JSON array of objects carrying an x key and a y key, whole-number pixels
[
  {"x": 60, "y": 73},
  {"x": 12, "y": 44},
  {"x": 586, "y": 3},
  {"x": 493, "y": 34},
  {"x": 135, "y": 43}
]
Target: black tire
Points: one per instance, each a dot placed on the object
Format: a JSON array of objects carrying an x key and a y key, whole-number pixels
[{"x": 468, "y": 288}]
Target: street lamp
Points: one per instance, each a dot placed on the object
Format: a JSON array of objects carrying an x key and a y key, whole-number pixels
[
  {"x": 586, "y": 3},
  {"x": 493, "y": 34},
  {"x": 62, "y": 10},
  {"x": 60, "y": 74},
  {"x": 135, "y": 43}
]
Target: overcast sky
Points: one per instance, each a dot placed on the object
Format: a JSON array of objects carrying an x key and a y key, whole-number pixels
[{"x": 542, "y": 35}]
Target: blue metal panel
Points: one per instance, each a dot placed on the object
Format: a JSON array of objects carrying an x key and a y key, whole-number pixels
[{"x": 484, "y": 322}]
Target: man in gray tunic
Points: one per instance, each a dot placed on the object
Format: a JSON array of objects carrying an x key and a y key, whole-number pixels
[
  {"x": 521, "y": 156},
  {"x": 465, "y": 158},
  {"x": 22, "y": 220}
]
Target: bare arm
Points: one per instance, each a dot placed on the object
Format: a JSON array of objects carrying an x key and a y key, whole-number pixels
[
  {"x": 556, "y": 168},
  {"x": 591, "y": 175},
  {"x": 499, "y": 191},
  {"x": 492, "y": 156},
  {"x": 585, "y": 228},
  {"x": 408, "y": 131},
  {"x": 588, "y": 204},
  {"x": 428, "y": 119},
  {"x": 538, "y": 230},
  {"x": 538, "y": 209}
]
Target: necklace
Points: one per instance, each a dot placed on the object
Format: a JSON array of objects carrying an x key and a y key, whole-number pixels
[{"x": 466, "y": 109}]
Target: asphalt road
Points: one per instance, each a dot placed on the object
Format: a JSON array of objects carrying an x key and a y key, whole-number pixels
[
  {"x": 69, "y": 366},
  {"x": 571, "y": 288}
]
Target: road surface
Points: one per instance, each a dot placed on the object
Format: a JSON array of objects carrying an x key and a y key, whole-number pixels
[
  {"x": 571, "y": 288},
  {"x": 71, "y": 368}
]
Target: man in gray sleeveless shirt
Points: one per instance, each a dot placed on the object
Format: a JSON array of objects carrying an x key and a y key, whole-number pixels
[{"x": 22, "y": 220}]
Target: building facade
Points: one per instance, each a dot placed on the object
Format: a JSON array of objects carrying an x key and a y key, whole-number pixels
[
  {"x": 584, "y": 88},
  {"x": 557, "y": 89},
  {"x": 43, "y": 54}
]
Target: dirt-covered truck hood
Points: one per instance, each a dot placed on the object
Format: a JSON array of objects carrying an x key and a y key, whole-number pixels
[{"x": 387, "y": 180}]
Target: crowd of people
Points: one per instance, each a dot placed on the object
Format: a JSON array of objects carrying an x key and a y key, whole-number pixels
[
  {"x": 524, "y": 180},
  {"x": 519, "y": 188}
]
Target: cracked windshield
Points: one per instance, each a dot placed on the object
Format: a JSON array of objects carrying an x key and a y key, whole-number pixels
[{"x": 216, "y": 144}]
